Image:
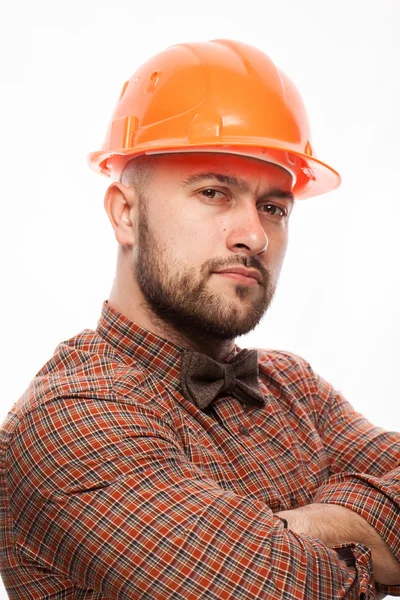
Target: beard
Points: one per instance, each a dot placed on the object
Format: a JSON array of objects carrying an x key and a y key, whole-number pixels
[{"x": 181, "y": 299}]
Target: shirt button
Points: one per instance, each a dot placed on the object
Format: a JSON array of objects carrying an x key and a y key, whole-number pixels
[
  {"x": 293, "y": 501},
  {"x": 244, "y": 430}
]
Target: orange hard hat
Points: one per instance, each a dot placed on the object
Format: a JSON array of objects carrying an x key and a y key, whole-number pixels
[{"x": 217, "y": 96}]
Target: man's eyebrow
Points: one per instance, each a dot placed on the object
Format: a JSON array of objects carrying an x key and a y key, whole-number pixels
[
  {"x": 237, "y": 182},
  {"x": 280, "y": 193}
]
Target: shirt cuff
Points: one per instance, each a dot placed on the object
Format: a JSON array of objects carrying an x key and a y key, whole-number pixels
[
  {"x": 358, "y": 556},
  {"x": 390, "y": 590}
]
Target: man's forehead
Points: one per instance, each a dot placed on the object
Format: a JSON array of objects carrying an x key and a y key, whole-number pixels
[{"x": 235, "y": 169}]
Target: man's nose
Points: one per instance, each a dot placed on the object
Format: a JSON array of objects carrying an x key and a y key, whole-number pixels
[{"x": 246, "y": 231}]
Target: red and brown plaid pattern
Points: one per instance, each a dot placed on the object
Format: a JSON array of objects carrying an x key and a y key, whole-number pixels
[{"x": 113, "y": 486}]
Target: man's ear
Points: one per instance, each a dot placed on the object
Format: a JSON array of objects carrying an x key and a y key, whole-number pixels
[{"x": 121, "y": 203}]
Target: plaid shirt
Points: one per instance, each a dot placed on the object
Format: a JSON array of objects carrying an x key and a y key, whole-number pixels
[{"x": 114, "y": 486}]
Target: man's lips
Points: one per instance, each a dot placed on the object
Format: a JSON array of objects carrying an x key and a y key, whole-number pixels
[{"x": 242, "y": 274}]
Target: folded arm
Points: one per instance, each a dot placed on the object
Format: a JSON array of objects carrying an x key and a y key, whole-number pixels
[
  {"x": 364, "y": 479},
  {"x": 113, "y": 504},
  {"x": 334, "y": 525}
]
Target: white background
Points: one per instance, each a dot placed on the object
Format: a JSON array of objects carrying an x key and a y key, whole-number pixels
[{"x": 62, "y": 68}]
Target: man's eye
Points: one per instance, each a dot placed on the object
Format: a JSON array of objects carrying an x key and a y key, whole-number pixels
[
  {"x": 275, "y": 211},
  {"x": 210, "y": 193}
]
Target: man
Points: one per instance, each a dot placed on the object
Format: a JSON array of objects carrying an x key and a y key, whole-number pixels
[{"x": 153, "y": 458}]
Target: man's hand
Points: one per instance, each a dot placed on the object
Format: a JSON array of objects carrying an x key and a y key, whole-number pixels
[{"x": 334, "y": 524}]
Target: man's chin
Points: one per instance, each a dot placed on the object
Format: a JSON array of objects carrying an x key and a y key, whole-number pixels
[{"x": 229, "y": 329}]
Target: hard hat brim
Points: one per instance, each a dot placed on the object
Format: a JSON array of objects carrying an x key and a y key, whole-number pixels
[{"x": 313, "y": 177}]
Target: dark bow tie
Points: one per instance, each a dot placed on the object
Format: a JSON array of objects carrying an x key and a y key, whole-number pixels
[{"x": 203, "y": 378}]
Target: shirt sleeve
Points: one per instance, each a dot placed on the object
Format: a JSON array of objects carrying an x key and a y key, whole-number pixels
[
  {"x": 364, "y": 465},
  {"x": 102, "y": 494}
]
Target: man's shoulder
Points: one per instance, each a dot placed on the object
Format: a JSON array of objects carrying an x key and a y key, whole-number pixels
[{"x": 83, "y": 366}]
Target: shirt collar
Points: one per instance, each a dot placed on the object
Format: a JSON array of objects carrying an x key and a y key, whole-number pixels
[{"x": 147, "y": 349}]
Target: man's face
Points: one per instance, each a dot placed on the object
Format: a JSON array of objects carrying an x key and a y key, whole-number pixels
[{"x": 202, "y": 213}]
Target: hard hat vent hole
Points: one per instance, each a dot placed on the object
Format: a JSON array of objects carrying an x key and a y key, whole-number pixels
[
  {"x": 152, "y": 82},
  {"x": 123, "y": 89}
]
